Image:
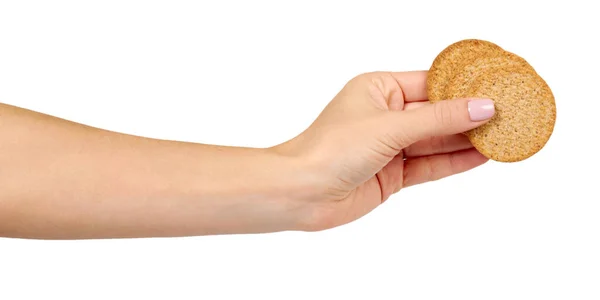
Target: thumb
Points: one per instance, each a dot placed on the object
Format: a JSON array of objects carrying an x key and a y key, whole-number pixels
[{"x": 441, "y": 118}]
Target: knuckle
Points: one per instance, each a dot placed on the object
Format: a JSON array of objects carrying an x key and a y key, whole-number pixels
[
  {"x": 392, "y": 144},
  {"x": 361, "y": 78},
  {"x": 443, "y": 115},
  {"x": 433, "y": 170},
  {"x": 429, "y": 169},
  {"x": 453, "y": 163},
  {"x": 367, "y": 78},
  {"x": 439, "y": 143},
  {"x": 403, "y": 139}
]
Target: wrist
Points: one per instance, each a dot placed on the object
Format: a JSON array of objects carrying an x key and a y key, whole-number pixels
[
  {"x": 301, "y": 185},
  {"x": 251, "y": 190},
  {"x": 288, "y": 186}
]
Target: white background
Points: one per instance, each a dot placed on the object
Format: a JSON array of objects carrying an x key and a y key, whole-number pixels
[{"x": 256, "y": 73}]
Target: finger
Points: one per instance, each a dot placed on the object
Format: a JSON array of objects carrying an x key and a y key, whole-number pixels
[
  {"x": 438, "y": 145},
  {"x": 418, "y": 104},
  {"x": 415, "y": 105},
  {"x": 430, "y": 168},
  {"x": 438, "y": 119},
  {"x": 390, "y": 177},
  {"x": 413, "y": 84}
]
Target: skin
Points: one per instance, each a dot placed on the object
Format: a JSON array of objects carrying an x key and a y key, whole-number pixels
[{"x": 64, "y": 180}]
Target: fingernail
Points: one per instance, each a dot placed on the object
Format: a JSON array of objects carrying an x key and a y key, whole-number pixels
[{"x": 481, "y": 109}]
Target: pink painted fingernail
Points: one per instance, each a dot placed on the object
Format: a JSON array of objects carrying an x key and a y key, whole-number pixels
[{"x": 481, "y": 109}]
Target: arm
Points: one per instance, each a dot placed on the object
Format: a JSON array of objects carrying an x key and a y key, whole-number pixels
[{"x": 60, "y": 179}]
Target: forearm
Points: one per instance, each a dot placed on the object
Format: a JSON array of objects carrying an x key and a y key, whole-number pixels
[{"x": 60, "y": 179}]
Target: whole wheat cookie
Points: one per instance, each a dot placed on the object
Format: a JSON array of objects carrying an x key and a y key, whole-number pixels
[
  {"x": 453, "y": 58},
  {"x": 525, "y": 105},
  {"x": 524, "y": 119}
]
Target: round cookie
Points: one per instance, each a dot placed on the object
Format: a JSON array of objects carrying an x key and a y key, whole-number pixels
[
  {"x": 452, "y": 59},
  {"x": 458, "y": 85},
  {"x": 525, "y": 114}
]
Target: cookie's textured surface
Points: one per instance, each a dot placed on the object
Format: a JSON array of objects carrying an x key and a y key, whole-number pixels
[
  {"x": 452, "y": 59},
  {"x": 525, "y": 114},
  {"x": 525, "y": 106},
  {"x": 459, "y": 84}
]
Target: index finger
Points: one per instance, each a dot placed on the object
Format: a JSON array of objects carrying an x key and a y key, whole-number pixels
[{"x": 413, "y": 85}]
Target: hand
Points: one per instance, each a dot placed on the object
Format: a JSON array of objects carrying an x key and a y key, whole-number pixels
[{"x": 379, "y": 135}]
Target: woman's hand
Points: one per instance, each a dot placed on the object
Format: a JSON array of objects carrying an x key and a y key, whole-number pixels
[{"x": 378, "y": 135}]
